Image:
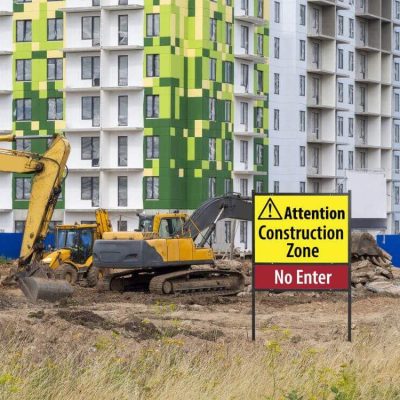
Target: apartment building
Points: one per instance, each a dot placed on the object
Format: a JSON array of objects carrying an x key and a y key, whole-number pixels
[
  {"x": 335, "y": 103},
  {"x": 165, "y": 105}
]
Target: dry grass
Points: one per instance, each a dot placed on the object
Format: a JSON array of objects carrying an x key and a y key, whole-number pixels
[{"x": 181, "y": 369}]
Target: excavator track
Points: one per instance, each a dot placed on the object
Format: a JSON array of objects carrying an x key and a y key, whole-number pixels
[{"x": 194, "y": 281}]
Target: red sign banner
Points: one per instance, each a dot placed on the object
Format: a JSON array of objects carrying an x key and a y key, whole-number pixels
[{"x": 301, "y": 277}]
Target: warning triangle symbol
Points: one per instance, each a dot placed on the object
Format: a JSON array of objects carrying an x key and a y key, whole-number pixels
[{"x": 270, "y": 212}]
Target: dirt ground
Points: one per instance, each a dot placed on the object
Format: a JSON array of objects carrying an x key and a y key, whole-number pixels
[{"x": 139, "y": 316}]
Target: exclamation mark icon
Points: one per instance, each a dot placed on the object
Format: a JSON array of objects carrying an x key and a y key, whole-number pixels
[{"x": 270, "y": 210}]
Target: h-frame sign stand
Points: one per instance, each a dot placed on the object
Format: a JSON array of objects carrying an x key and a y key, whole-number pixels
[{"x": 301, "y": 242}]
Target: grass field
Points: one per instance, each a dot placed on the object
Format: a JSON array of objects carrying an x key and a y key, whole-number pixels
[{"x": 171, "y": 368}]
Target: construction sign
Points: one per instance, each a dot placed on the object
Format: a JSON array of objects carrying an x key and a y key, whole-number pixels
[
  {"x": 301, "y": 229},
  {"x": 301, "y": 242}
]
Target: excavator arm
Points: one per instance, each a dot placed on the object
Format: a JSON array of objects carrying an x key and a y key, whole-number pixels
[
  {"x": 232, "y": 206},
  {"x": 47, "y": 172}
]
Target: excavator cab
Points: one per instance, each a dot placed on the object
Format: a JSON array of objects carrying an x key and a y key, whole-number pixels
[{"x": 78, "y": 239}]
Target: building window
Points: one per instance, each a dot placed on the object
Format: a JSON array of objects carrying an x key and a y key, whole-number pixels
[
  {"x": 244, "y": 38},
  {"x": 153, "y": 25},
  {"x": 260, "y": 44},
  {"x": 228, "y": 33},
  {"x": 315, "y": 54},
  {"x": 212, "y": 183},
  {"x": 54, "y": 69},
  {"x": 260, "y": 8},
  {"x": 244, "y": 187},
  {"x": 397, "y": 164},
  {"x": 351, "y": 61},
  {"x": 243, "y": 232},
  {"x": 302, "y": 50},
  {"x": 19, "y": 226},
  {"x": 122, "y": 30},
  {"x": 340, "y": 25},
  {"x": 228, "y": 150},
  {"x": 351, "y": 94},
  {"x": 122, "y": 191},
  {"x": 302, "y": 123},
  {"x": 24, "y": 31},
  {"x": 302, "y": 85},
  {"x": 90, "y": 150},
  {"x": 91, "y": 29},
  {"x": 54, "y": 109},
  {"x": 211, "y": 111},
  {"x": 244, "y": 6},
  {"x": 122, "y": 226},
  {"x": 340, "y": 92},
  {"x": 340, "y": 126},
  {"x": 397, "y": 133},
  {"x": 302, "y": 187},
  {"x": 152, "y": 147},
  {"x": 276, "y": 186},
  {"x": 213, "y": 69},
  {"x": 244, "y": 76},
  {"x": 23, "y": 144},
  {"x": 90, "y": 189},
  {"x": 212, "y": 149},
  {"x": 396, "y": 195},
  {"x": 259, "y": 154},
  {"x": 340, "y": 159},
  {"x": 363, "y": 159},
  {"x": 24, "y": 70},
  {"x": 244, "y": 151},
  {"x": 340, "y": 188},
  {"x": 397, "y": 223},
  {"x": 302, "y": 15},
  {"x": 122, "y": 151},
  {"x": 351, "y": 160},
  {"x": 397, "y": 9},
  {"x": 54, "y": 29},
  {"x": 397, "y": 102},
  {"x": 227, "y": 186},
  {"x": 260, "y": 81},
  {"x": 153, "y": 65},
  {"x": 228, "y": 231},
  {"x": 228, "y": 107},
  {"x": 122, "y": 110},
  {"x": 276, "y": 156},
  {"x": 90, "y": 69},
  {"x": 152, "y": 188},
  {"x": 152, "y": 106},
  {"x": 302, "y": 156},
  {"x": 23, "y": 188},
  {"x": 259, "y": 187},
  {"x": 340, "y": 58},
  {"x": 123, "y": 70},
  {"x": 276, "y": 120},
  {"x": 91, "y": 109},
  {"x": 277, "y": 12},
  {"x": 397, "y": 71},
  {"x": 276, "y": 83},
  {"x": 397, "y": 40},
  {"x": 351, "y": 127},
  {"x": 228, "y": 72},
  {"x": 23, "y": 109},
  {"x": 259, "y": 117},
  {"x": 213, "y": 29},
  {"x": 351, "y": 28},
  {"x": 244, "y": 114},
  {"x": 276, "y": 48}
]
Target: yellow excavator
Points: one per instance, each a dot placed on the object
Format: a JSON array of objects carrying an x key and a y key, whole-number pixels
[
  {"x": 48, "y": 172},
  {"x": 72, "y": 259},
  {"x": 161, "y": 255}
]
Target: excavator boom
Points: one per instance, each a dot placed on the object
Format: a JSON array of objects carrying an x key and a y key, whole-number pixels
[{"x": 48, "y": 174}]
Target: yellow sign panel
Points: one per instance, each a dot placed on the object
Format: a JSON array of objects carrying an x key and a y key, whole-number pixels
[{"x": 294, "y": 229}]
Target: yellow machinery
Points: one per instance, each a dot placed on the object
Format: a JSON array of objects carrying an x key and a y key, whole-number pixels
[
  {"x": 48, "y": 171},
  {"x": 73, "y": 259},
  {"x": 163, "y": 253}
]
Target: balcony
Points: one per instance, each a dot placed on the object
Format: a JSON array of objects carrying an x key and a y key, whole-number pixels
[{"x": 371, "y": 9}]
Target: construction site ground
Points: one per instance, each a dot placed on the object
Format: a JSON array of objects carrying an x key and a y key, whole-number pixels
[{"x": 93, "y": 320}]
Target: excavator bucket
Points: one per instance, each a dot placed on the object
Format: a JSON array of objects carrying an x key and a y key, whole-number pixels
[
  {"x": 44, "y": 289},
  {"x": 364, "y": 247}
]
